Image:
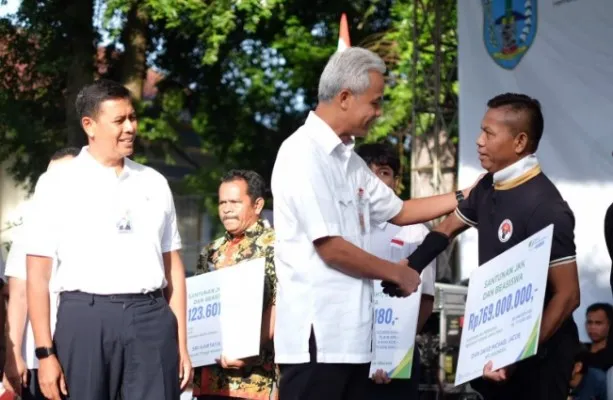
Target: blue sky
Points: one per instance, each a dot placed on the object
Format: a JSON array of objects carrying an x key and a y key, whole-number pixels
[{"x": 10, "y": 7}]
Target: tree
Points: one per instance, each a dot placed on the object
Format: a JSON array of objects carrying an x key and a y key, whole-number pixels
[
  {"x": 46, "y": 55},
  {"x": 246, "y": 97},
  {"x": 239, "y": 76},
  {"x": 420, "y": 113}
]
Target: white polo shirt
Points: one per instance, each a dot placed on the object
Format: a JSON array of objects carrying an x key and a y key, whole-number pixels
[
  {"x": 107, "y": 231},
  {"x": 16, "y": 268},
  {"x": 393, "y": 242},
  {"x": 319, "y": 187}
]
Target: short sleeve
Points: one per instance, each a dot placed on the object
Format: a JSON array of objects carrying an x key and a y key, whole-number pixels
[
  {"x": 171, "y": 240},
  {"x": 41, "y": 229},
  {"x": 301, "y": 192},
  {"x": 428, "y": 278},
  {"x": 16, "y": 261},
  {"x": 559, "y": 214},
  {"x": 468, "y": 210},
  {"x": 271, "y": 276},
  {"x": 415, "y": 235},
  {"x": 384, "y": 204}
]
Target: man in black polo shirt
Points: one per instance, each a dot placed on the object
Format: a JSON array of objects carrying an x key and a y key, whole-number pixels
[{"x": 511, "y": 202}]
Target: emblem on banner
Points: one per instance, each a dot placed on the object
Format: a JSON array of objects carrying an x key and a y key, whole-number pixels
[{"x": 509, "y": 28}]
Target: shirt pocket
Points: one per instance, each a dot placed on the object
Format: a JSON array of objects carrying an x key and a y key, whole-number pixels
[{"x": 354, "y": 212}]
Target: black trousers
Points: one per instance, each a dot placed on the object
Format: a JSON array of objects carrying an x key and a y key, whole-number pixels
[
  {"x": 118, "y": 346},
  {"x": 32, "y": 392},
  {"x": 319, "y": 381},
  {"x": 545, "y": 376}
]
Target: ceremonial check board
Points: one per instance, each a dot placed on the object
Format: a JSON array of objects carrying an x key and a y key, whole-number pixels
[
  {"x": 224, "y": 312},
  {"x": 504, "y": 307}
]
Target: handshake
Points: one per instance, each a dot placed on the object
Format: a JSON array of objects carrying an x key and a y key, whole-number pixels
[{"x": 406, "y": 283}]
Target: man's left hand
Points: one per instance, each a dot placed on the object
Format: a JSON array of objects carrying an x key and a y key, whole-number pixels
[
  {"x": 185, "y": 368},
  {"x": 500, "y": 375}
]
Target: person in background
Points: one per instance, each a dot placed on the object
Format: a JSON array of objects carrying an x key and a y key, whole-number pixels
[
  {"x": 112, "y": 226},
  {"x": 598, "y": 317},
  {"x": 385, "y": 164},
  {"x": 247, "y": 237},
  {"x": 21, "y": 365},
  {"x": 586, "y": 383}
]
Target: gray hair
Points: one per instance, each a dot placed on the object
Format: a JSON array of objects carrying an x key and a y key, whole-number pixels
[{"x": 348, "y": 69}]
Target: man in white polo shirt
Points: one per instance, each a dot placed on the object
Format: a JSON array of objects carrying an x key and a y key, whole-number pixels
[
  {"x": 111, "y": 224},
  {"x": 20, "y": 368},
  {"x": 325, "y": 201}
]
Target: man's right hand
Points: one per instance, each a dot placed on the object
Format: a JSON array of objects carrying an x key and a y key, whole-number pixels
[
  {"x": 51, "y": 378},
  {"x": 15, "y": 373},
  {"x": 408, "y": 280}
]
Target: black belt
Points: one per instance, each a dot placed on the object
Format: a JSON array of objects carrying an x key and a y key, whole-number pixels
[{"x": 76, "y": 294}]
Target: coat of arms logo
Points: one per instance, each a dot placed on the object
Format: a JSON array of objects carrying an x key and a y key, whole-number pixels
[{"x": 509, "y": 28}]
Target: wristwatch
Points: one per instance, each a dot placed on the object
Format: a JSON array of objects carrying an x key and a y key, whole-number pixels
[
  {"x": 459, "y": 196},
  {"x": 44, "y": 352}
]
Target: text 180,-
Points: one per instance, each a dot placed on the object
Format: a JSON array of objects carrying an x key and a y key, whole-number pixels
[
  {"x": 500, "y": 307},
  {"x": 203, "y": 312},
  {"x": 384, "y": 316}
]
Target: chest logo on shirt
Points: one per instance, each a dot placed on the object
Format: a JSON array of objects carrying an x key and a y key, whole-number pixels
[{"x": 505, "y": 230}]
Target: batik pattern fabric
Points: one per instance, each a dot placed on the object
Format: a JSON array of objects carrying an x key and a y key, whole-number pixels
[{"x": 256, "y": 380}]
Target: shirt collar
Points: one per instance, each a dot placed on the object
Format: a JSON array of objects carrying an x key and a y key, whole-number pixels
[
  {"x": 325, "y": 136},
  {"x": 253, "y": 231},
  {"x": 86, "y": 158},
  {"x": 517, "y": 170}
]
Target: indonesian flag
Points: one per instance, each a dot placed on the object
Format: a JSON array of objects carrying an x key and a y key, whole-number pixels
[{"x": 343, "y": 34}]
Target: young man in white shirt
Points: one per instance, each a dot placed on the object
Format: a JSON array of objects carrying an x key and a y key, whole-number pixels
[
  {"x": 385, "y": 164},
  {"x": 326, "y": 200},
  {"x": 21, "y": 366}
]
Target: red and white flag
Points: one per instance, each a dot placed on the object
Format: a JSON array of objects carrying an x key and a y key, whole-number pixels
[{"x": 343, "y": 34}]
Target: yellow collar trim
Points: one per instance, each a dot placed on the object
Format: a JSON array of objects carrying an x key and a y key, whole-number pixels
[{"x": 523, "y": 178}]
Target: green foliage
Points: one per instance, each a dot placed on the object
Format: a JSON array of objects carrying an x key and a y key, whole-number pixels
[
  {"x": 31, "y": 88},
  {"x": 265, "y": 79},
  {"x": 239, "y": 75},
  {"x": 411, "y": 68},
  {"x": 408, "y": 48}
]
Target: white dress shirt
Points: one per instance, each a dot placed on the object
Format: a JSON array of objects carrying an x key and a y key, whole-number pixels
[
  {"x": 321, "y": 188},
  {"x": 107, "y": 231},
  {"x": 388, "y": 238},
  {"x": 16, "y": 269}
]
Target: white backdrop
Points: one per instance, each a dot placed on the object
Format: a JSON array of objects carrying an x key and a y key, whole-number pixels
[{"x": 569, "y": 69}]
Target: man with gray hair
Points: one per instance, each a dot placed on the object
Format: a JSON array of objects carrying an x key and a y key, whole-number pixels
[{"x": 325, "y": 201}]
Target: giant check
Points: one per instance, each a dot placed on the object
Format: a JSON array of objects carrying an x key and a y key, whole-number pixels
[
  {"x": 502, "y": 320},
  {"x": 394, "y": 335},
  {"x": 224, "y": 312}
]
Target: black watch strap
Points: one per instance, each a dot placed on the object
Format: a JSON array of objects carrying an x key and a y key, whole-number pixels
[
  {"x": 44, "y": 352},
  {"x": 459, "y": 196}
]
